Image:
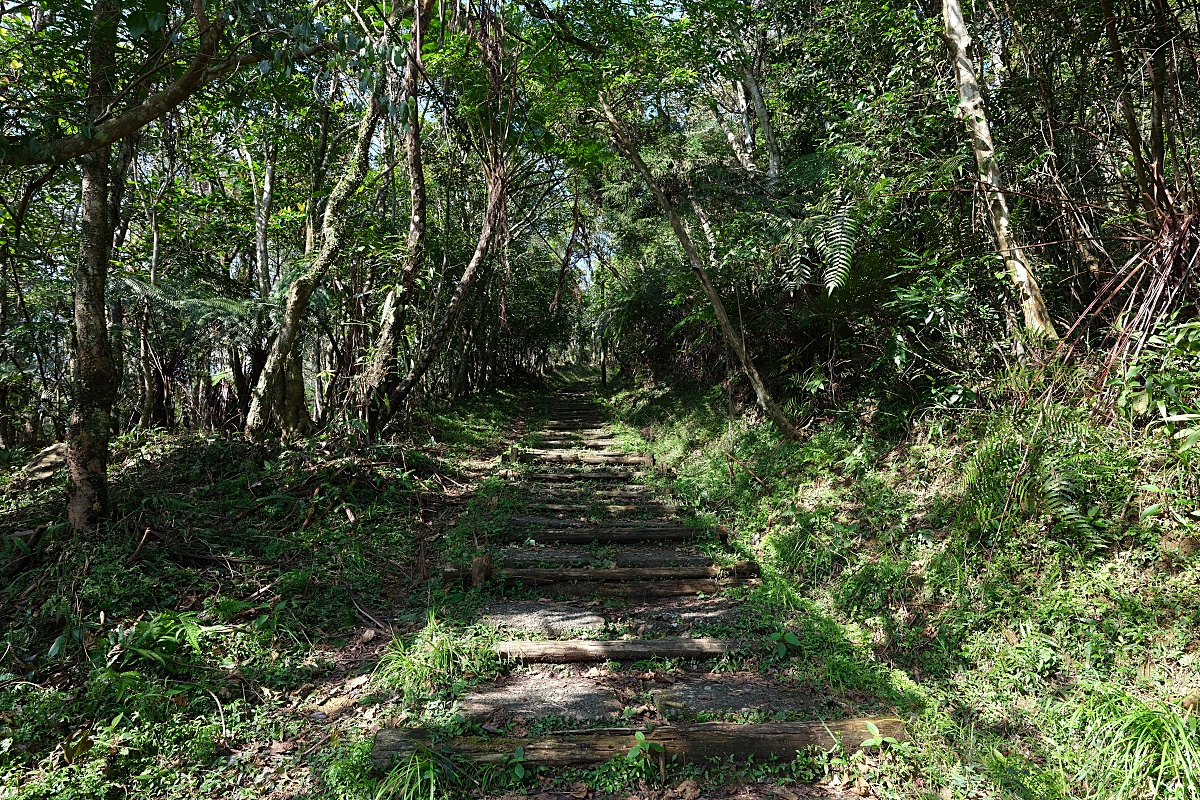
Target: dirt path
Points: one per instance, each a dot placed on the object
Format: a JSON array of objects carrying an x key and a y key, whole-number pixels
[{"x": 619, "y": 620}]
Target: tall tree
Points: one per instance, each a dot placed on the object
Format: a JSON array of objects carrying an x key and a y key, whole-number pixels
[
  {"x": 735, "y": 342},
  {"x": 95, "y": 386},
  {"x": 974, "y": 115},
  {"x": 380, "y": 376}
]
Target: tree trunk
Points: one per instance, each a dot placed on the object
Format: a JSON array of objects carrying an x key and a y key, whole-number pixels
[
  {"x": 763, "y": 395},
  {"x": 736, "y": 145},
  {"x": 270, "y": 387},
  {"x": 764, "y": 120},
  {"x": 493, "y": 223},
  {"x": 95, "y": 386},
  {"x": 381, "y": 374},
  {"x": 263, "y": 200},
  {"x": 1146, "y": 188},
  {"x": 970, "y": 106}
]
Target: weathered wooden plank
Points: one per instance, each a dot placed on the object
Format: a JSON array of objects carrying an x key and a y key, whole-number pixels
[
  {"x": 570, "y": 457},
  {"x": 538, "y": 576},
  {"x": 612, "y": 508},
  {"x": 689, "y": 742},
  {"x": 591, "y": 475},
  {"x": 574, "y": 651},
  {"x": 643, "y": 589},
  {"x": 604, "y": 535},
  {"x": 557, "y": 491},
  {"x": 536, "y": 521}
]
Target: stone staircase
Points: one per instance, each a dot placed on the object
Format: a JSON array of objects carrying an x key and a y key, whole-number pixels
[{"x": 631, "y": 617}]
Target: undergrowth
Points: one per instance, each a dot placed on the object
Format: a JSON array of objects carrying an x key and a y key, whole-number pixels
[
  {"x": 1016, "y": 576},
  {"x": 218, "y": 638}
]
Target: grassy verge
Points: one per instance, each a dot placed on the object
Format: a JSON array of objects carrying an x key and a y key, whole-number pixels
[
  {"x": 220, "y": 638},
  {"x": 1021, "y": 586}
]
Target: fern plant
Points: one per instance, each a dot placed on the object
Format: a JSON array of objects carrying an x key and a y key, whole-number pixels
[
  {"x": 1027, "y": 469},
  {"x": 829, "y": 234}
]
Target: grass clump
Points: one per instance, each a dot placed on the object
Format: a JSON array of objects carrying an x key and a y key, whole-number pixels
[
  {"x": 1131, "y": 748},
  {"x": 439, "y": 662}
]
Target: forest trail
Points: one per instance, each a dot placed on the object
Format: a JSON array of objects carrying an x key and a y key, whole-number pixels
[{"x": 619, "y": 623}]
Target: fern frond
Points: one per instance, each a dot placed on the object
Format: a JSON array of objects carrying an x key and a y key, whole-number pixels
[{"x": 836, "y": 236}]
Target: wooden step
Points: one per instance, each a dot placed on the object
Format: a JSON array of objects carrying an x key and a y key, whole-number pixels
[
  {"x": 532, "y": 521},
  {"x": 559, "y": 491},
  {"x": 690, "y": 743},
  {"x": 576, "y": 650},
  {"x": 579, "y": 557},
  {"x": 641, "y": 589},
  {"x": 605, "y": 535},
  {"x": 578, "y": 477},
  {"x": 583, "y": 457},
  {"x": 540, "y": 576},
  {"x": 578, "y": 508}
]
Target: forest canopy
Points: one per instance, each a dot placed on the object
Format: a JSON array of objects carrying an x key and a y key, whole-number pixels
[{"x": 293, "y": 225}]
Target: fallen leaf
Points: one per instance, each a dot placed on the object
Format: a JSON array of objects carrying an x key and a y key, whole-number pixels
[{"x": 688, "y": 790}]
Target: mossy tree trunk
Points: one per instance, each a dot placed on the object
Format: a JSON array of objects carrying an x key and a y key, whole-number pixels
[{"x": 95, "y": 383}]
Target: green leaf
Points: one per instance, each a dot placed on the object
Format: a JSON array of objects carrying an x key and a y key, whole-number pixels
[
  {"x": 138, "y": 23},
  {"x": 1150, "y": 511}
]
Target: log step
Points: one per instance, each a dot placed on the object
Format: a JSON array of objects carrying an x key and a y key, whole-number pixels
[
  {"x": 691, "y": 743},
  {"x": 534, "y": 521},
  {"x": 612, "y": 508},
  {"x": 605, "y": 535},
  {"x": 577, "y": 650},
  {"x": 641, "y": 589},
  {"x": 539, "y": 576},
  {"x": 577, "y": 557},
  {"x": 593, "y": 475},
  {"x": 551, "y": 492},
  {"x": 574, "y": 457}
]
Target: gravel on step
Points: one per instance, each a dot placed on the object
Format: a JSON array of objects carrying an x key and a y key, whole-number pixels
[
  {"x": 722, "y": 695},
  {"x": 548, "y": 619},
  {"x": 536, "y": 695},
  {"x": 694, "y": 614}
]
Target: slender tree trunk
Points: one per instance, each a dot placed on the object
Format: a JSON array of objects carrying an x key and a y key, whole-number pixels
[
  {"x": 379, "y": 378},
  {"x": 1146, "y": 188},
  {"x": 493, "y": 223},
  {"x": 270, "y": 387},
  {"x": 970, "y": 105},
  {"x": 264, "y": 199},
  {"x": 95, "y": 385},
  {"x": 762, "y": 394},
  {"x": 764, "y": 120},
  {"x": 320, "y": 159},
  {"x": 736, "y": 145}
]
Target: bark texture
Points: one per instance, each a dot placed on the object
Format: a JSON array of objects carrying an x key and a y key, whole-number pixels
[
  {"x": 493, "y": 223},
  {"x": 970, "y": 106},
  {"x": 95, "y": 384}
]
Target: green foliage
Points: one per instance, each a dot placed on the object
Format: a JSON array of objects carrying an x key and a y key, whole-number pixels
[
  {"x": 1131, "y": 748},
  {"x": 1038, "y": 466},
  {"x": 423, "y": 775},
  {"x": 442, "y": 659}
]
